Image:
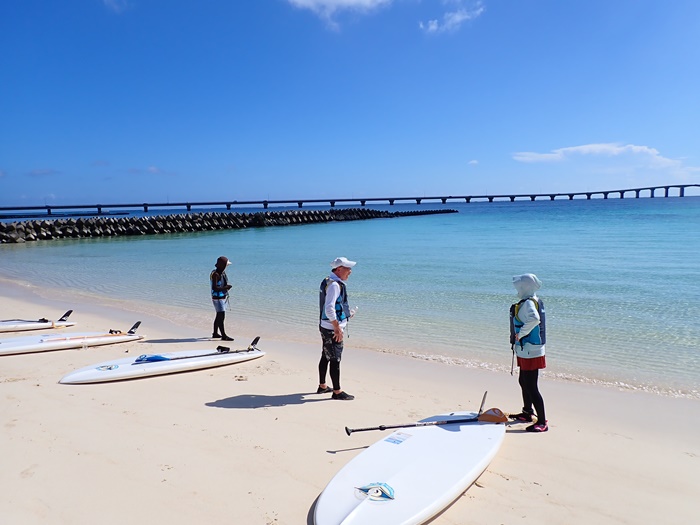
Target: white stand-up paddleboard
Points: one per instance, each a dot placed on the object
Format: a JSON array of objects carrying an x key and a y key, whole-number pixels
[
  {"x": 20, "y": 325},
  {"x": 409, "y": 477},
  {"x": 45, "y": 343},
  {"x": 159, "y": 364}
]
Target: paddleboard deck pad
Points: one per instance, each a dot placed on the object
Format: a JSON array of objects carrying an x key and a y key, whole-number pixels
[
  {"x": 44, "y": 343},
  {"x": 410, "y": 476},
  {"x": 21, "y": 325},
  {"x": 149, "y": 365}
]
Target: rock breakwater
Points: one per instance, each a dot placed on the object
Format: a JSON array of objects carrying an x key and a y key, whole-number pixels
[{"x": 72, "y": 228}]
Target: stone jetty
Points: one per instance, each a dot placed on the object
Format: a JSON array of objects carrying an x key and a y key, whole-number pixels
[{"x": 78, "y": 228}]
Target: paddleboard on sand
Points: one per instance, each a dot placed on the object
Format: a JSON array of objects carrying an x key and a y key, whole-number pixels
[
  {"x": 410, "y": 476},
  {"x": 45, "y": 343},
  {"x": 159, "y": 364},
  {"x": 20, "y": 325}
]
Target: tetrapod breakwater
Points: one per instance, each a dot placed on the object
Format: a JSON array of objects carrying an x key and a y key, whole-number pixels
[{"x": 54, "y": 229}]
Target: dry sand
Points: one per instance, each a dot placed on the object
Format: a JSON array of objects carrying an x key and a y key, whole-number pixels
[{"x": 252, "y": 444}]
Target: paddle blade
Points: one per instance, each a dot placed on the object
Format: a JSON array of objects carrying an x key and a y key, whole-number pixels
[{"x": 493, "y": 415}]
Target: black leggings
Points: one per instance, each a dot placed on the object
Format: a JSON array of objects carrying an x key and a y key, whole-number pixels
[
  {"x": 531, "y": 394},
  {"x": 219, "y": 323},
  {"x": 334, "y": 372}
]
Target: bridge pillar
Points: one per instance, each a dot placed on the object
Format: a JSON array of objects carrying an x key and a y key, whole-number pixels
[
  {"x": 512, "y": 198},
  {"x": 467, "y": 199},
  {"x": 490, "y": 199},
  {"x": 636, "y": 194},
  {"x": 228, "y": 205},
  {"x": 651, "y": 192},
  {"x": 588, "y": 196},
  {"x": 332, "y": 204},
  {"x": 444, "y": 200},
  {"x": 300, "y": 203},
  {"x": 391, "y": 202},
  {"x": 666, "y": 192},
  {"x": 605, "y": 195},
  {"x": 571, "y": 196},
  {"x": 622, "y": 194},
  {"x": 189, "y": 207},
  {"x": 363, "y": 202},
  {"x": 99, "y": 210},
  {"x": 418, "y": 201},
  {"x": 48, "y": 210},
  {"x": 265, "y": 203},
  {"x": 681, "y": 191},
  {"x": 145, "y": 207},
  {"x": 551, "y": 197},
  {"x": 533, "y": 197}
]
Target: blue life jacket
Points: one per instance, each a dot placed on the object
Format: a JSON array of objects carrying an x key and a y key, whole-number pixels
[
  {"x": 538, "y": 335},
  {"x": 220, "y": 283},
  {"x": 342, "y": 309}
]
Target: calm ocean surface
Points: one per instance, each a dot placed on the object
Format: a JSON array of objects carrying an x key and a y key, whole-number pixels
[{"x": 621, "y": 281}]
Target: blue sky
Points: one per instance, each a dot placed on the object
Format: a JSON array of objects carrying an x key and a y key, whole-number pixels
[{"x": 172, "y": 100}]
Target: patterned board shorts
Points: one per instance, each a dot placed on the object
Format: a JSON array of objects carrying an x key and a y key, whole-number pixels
[{"x": 332, "y": 349}]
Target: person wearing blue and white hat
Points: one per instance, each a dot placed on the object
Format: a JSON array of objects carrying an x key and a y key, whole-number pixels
[{"x": 334, "y": 313}]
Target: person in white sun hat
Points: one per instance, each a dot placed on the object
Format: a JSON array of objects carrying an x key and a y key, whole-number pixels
[{"x": 334, "y": 315}]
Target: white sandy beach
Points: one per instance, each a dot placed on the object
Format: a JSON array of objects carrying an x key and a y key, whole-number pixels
[{"x": 252, "y": 444}]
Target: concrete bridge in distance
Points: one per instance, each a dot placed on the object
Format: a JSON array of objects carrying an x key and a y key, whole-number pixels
[{"x": 637, "y": 192}]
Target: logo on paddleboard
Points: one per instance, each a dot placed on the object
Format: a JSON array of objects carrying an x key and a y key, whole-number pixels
[
  {"x": 105, "y": 368},
  {"x": 377, "y": 491}
]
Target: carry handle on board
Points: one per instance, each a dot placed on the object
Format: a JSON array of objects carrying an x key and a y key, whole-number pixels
[{"x": 492, "y": 415}]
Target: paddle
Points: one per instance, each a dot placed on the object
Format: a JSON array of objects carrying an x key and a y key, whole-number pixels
[
  {"x": 492, "y": 415},
  {"x": 219, "y": 350}
]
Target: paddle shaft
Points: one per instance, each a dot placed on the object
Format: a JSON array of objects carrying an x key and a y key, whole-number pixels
[
  {"x": 349, "y": 431},
  {"x": 195, "y": 356},
  {"x": 250, "y": 348}
]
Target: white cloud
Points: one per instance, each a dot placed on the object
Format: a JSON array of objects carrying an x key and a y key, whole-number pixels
[
  {"x": 326, "y": 9},
  {"x": 473, "y": 162},
  {"x": 613, "y": 157},
  {"x": 453, "y": 20},
  {"x": 457, "y": 11},
  {"x": 118, "y": 6}
]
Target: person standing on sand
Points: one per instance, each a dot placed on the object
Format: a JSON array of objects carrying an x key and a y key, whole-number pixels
[
  {"x": 219, "y": 296},
  {"x": 334, "y": 315},
  {"x": 529, "y": 338}
]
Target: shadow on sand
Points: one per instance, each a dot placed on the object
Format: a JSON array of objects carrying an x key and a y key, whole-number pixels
[{"x": 256, "y": 401}]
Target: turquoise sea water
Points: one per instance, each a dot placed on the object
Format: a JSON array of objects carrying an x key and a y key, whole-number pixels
[{"x": 621, "y": 282}]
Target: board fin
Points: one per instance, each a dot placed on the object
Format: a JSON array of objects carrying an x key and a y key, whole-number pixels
[
  {"x": 483, "y": 400},
  {"x": 65, "y": 316},
  {"x": 133, "y": 329}
]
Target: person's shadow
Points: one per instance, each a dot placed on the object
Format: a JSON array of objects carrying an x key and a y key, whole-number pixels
[{"x": 260, "y": 401}]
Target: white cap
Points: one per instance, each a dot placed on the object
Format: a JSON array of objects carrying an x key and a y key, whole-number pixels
[{"x": 342, "y": 261}]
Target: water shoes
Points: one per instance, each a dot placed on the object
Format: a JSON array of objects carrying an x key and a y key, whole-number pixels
[
  {"x": 344, "y": 396},
  {"x": 537, "y": 427}
]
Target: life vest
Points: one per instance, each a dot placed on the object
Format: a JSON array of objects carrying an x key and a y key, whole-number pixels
[
  {"x": 538, "y": 335},
  {"x": 222, "y": 282},
  {"x": 342, "y": 308}
]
